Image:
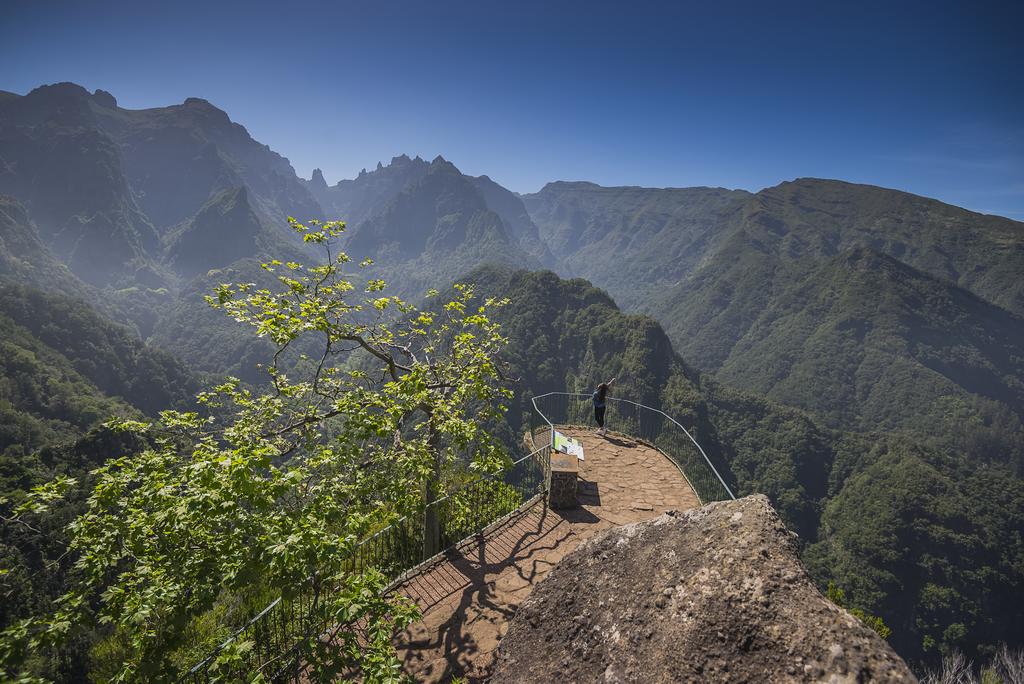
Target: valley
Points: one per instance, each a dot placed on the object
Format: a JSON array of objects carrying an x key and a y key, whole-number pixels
[{"x": 855, "y": 353}]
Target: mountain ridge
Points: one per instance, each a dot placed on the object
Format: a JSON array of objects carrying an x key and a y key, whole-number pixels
[{"x": 884, "y": 327}]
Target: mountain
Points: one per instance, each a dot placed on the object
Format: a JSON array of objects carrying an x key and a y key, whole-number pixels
[
  {"x": 68, "y": 173},
  {"x": 23, "y": 256},
  {"x": 872, "y": 307},
  {"x": 634, "y": 241},
  {"x": 65, "y": 368},
  {"x": 599, "y": 231},
  {"x": 811, "y": 217},
  {"x": 869, "y": 342},
  {"x": 782, "y": 232},
  {"x": 223, "y": 231},
  {"x": 435, "y": 227},
  {"x": 902, "y": 525},
  {"x": 176, "y": 157},
  {"x": 518, "y": 224},
  {"x": 569, "y": 335},
  {"x": 106, "y": 186},
  {"x": 357, "y": 199},
  {"x": 136, "y": 203},
  {"x": 430, "y": 213}
]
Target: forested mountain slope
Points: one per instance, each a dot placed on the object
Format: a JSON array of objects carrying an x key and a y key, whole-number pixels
[
  {"x": 66, "y": 368},
  {"x": 634, "y": 241},
  {"x": 44, "y": 399},
  {"x": 567, "y": 336},
  {"x": 874, "y": 308},
  {"x": 782, "y": 232},
  {"x": 870, "y": 343},
  {"x": 909, "y": 563},
  {"x": 812, "y": 217}
]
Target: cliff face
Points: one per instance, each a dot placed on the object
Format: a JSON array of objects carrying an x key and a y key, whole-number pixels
[{"x": 713, "y": 594}]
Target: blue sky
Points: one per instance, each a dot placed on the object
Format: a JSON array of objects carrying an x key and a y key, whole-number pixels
[{"x": 925, "y": 97}]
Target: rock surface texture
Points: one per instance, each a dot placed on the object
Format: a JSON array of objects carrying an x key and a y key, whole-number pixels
[{"x": 714, "y": 594}]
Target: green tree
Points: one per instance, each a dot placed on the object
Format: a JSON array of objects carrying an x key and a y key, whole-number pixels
[
  {"x": 274, "y": 489},
  {"x": 838, "y": 597}
]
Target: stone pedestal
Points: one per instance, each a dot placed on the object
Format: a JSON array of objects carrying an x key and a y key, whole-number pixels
[{"x": 564, "y": 473}]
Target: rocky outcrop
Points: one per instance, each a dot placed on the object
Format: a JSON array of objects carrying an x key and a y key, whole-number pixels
[{"x": 715, "y": 594}]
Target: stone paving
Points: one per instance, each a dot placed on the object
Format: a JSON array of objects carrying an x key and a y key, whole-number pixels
[{"x": 469, "y": 598}]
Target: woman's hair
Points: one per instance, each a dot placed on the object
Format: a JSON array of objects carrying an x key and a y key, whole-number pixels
[{"x": 602, "y": 390}]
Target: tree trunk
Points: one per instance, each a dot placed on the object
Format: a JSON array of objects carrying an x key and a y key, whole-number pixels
[{"x": 431, "y": 521}]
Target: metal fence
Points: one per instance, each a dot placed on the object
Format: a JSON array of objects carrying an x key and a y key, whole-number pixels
[
  {"x": 278, "y": 636},
  {"x": 645, "y": 423}
]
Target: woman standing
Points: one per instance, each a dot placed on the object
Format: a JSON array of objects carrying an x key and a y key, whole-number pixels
[{"x": 598, "y": 398}]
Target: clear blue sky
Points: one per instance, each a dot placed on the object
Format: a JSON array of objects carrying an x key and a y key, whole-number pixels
[{"x": 922, "y": 96}]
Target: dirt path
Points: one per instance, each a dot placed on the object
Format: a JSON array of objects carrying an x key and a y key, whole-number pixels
[{"x": 468, "y": 600}]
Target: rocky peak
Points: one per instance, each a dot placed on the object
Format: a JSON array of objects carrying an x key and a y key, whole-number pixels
[
  {"x": 66, "y": 104},
  {"x": 205, "y": 108},
  {"x": 441, "y": 165},
  {"x": 59, "y": 90},
  {"x": 318, "y": 179},
  {"x": 715, "y": 594},
  {"x": 104, "y": 99}
]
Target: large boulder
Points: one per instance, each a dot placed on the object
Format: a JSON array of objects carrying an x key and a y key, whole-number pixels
[{"x": 712, "y": 594}]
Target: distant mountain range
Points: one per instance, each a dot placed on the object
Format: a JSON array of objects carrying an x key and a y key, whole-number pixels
[
  {"x": 857, "y": 353},
  {"x": 873, "y": 308},
  {"x": 104, "y": 184},
  {"x": 856, "y": 302}
]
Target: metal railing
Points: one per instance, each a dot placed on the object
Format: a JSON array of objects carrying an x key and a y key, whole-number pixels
[
  {"x": 645, "y": 423},
  {"x": 280, "y": 634}
]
